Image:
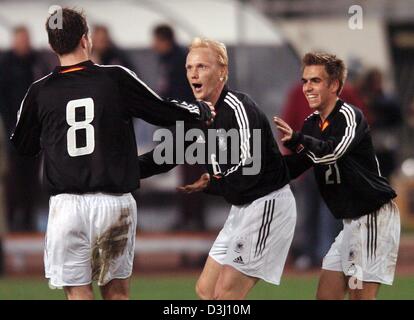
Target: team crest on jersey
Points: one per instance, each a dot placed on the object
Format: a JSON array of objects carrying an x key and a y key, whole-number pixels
[{"x": 239, "y": 246}]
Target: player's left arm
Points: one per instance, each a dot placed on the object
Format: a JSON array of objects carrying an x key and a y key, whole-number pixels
[
  {"x": 26, "y": 135},
  {"x": 297, "y": 164},
  {"x": 344, "y": 134},
  {"x": 148, "y": 167}
]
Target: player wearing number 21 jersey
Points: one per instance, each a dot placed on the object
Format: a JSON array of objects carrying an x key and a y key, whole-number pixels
[
  {"x": 335, "y": 140},
  {"x": 341, "y": 153}
]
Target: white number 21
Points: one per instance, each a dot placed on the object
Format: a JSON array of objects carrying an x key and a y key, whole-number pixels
[{"x": 71, "y": 107}]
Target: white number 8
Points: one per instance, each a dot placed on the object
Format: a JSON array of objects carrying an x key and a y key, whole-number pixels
[{"x": 71, "y": 107}]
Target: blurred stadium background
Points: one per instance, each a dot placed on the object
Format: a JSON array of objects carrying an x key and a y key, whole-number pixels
[{"x": 265, "y": 40}]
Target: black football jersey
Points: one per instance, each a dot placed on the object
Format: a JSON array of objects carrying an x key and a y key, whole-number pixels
[
  {"x": 346, "y": 169},
  {"x": 259, "y": 167},
  {"x": 80, "y": 116}
]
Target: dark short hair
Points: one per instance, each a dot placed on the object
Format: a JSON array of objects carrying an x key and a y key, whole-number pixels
[
  {"x": 335, "y": 67},
  {"x": 66, "y": 39},
  {"x": 165, "y": 32}
]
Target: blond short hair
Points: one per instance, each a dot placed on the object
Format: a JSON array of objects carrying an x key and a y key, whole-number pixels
[
  {"x": 218, "y": 48},
  {"x": 335, "y": 67}
]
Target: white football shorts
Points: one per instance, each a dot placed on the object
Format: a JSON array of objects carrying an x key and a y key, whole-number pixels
[
  {"x": 89, "y": 237},
  {"x": 367, "y": 247},
  {"x": 256, "y": 237}
]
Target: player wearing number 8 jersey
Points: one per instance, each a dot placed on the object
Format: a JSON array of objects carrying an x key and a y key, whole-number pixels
[
  {"x": 336, "y": 141},
  {"x": 83, "y": 114},
  {"x": 80, "y": 116}
]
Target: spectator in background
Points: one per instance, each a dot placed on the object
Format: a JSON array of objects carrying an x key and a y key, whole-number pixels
[
  {"x": 172, "y": 83},
  {"x": 19, "y": 67},
  {"x": 316, "y": 229},
  {"x": 104, "y": 51},
  {"x": 386, "y": 120}
]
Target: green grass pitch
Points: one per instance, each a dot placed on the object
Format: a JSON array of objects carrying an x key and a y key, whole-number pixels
[{"x": 182, "y": 287}]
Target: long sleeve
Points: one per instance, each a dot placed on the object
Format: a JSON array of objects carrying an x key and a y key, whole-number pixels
[
  {"x": 26, "y": 136},
  {"x": 141, "y": 102},
  {"x": 343, "y": 135},
  {"x": 148, "y": 167},
  {"x": 147, "y": 164},
  {"x": 297, "y": 164}
]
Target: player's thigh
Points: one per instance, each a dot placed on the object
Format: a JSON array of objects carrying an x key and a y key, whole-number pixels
[
  {"x": 207, "y": 281},
  {"x": 370, "y": 248},
  {"x": 217, "y": 256},
  {"x": 116, "y": 289},
  {"x": 332, "y": 285},
  {"x": 233, "y": 284},
  {"x": 79, "y": 292},
  {"x": 67, "y": 244},
  {"x": 113, "y": 240},
  {"x": 368, "y": 291}
]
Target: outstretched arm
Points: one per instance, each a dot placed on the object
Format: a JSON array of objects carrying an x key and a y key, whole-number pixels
[
  {"x": 142, "y": 102},
  {"x": 326, "y": 151},
  {"x": 148, "y": 167}
]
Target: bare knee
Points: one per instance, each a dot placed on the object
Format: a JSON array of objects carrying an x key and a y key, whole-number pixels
[
  {"x": 332, "y": 286},
  {"x": 203, "y": 292},
  {"x": 115, "y": 293},
  {"x": 330, "y": 295},
  {"x": 208, "y": 279},
  {"x": 368, "y": 291},
  {"x": 79, "y": 293},
  {"x": 116, "y": 296},
  {"x": 116, "y": 290},
  {"x": 233, "y": 285},
  {"x": 229, "y": 291}
]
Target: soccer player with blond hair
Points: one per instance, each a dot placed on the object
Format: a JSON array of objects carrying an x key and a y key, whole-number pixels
[{"x": 255, "y": 239}]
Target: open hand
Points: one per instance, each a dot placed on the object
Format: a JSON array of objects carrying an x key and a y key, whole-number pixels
[
  {"x": 284, "y": 128},
  {"x": 197, "y": 186}
]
